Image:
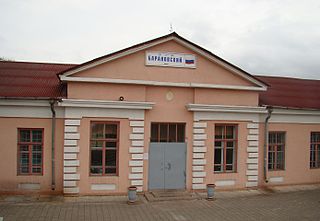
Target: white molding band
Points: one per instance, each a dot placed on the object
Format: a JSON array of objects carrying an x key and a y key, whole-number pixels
[
  {"x": 221, "y": 183},
  {"x": 278, "y": 179},
  {"x": 136, "y": 153},
  {"x": 103, "y": 187},
  {"x": 77, "y": 108},
  {"x": 106, "y": 104},
  {"x": 198, "y": 186},
  {"x": 70, "y": 156},
  {"x": 29, "y": 186},
  {"x": 226, "y": 108},
  {"x": 160, "y": 83},
  {"x": 206, "y": 112},
  {"x": 28, "y": 108},
  {"x": 252, "y": 154},
  {"x": 22, "y": 102},
  {"x": 198, "y": 156},
  {"x": 251, "y": 113}
]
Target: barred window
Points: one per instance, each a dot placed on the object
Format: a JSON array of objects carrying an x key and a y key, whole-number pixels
[
  {"x": 315, "y": 150},
  {"x": 225, "y": 148},
  {"x": 30, "y": 151},
  {"x": 168, "y": 132},
  {"x": 276, "y": 151}
]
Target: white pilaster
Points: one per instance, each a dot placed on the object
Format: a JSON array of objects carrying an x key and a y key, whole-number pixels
[
  {"x": 252, "y": 154},
  {"x": 70, "y": 158},
  {"x": 136, "y": 152},
  {"x": 198, "y": 156}
]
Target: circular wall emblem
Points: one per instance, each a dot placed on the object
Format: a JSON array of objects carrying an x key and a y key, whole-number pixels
[{"x": 169, "y": 96}]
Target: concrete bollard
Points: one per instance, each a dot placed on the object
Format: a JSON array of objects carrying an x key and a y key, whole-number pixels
[
  {"x": 132, "y": 194},
  {"x": 210, "y": 191}
]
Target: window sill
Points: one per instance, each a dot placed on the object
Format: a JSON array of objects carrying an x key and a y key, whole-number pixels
[
  {"x": 20, "y": 175},
  {"x": 111, "y": 175},
  {"x": 225, "y": 172}
]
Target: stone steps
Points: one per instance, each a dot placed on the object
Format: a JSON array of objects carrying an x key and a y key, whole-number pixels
[{"x": 170, "y": 196}]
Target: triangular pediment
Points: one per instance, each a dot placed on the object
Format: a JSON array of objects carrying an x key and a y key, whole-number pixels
[{"x": 130, "y": 66}]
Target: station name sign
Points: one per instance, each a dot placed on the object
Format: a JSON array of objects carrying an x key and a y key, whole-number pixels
[{"x": 171, "y": 59}]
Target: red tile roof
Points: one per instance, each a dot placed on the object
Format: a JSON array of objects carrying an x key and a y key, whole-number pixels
[
  {"x": 291, "y": 92},
  {"x": 33, "y": 80},
  {"x": 39, "y": 80}
]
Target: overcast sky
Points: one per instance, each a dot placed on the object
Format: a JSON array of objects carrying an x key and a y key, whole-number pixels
[{"x": 270, "y": 37}]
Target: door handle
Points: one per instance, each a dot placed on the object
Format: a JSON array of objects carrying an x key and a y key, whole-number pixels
[{"x": 168, "y": 166}]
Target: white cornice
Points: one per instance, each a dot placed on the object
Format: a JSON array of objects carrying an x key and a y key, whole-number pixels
[
  {"x": 288, "y": 111},
  {"x": 160, "y": 83},
  {"x": 24, "y": 102},
  {"x": 106, "y": 104},
  {"x": 27, "y": 108},
  {"x": 225, "y": 108}
]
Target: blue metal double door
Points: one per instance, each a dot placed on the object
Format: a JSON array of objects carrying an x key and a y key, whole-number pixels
[{"x": 167, "y": 166}]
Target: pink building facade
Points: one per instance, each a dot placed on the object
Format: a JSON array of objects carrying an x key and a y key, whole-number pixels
[{"x": 163, "y": 114}]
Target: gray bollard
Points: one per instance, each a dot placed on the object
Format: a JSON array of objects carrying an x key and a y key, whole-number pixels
[
  {"x": 132, "y": 194},
  {"x": 210, "y": 191}
]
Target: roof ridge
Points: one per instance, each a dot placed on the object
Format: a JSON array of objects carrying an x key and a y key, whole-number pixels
[
  {"x": 287, "y": 77},
  {"x": 36, "y": 62}
]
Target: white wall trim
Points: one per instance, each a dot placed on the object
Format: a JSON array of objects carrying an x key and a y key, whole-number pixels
[
  {"x": 28, "y": 108},
  {"x": 253, "y": 114},
  {"x": 228, "y": 116},
  {"x": 160, "y": 83},
  {"x": 106, "y": 104},
  {"x": 29, "y": 186},
  {"x": 80, "y": 112},
  {"x": 199, "y": 186},
  {"x": 225, "y": 108},
  {"x": 22, "y": 102},
  {"x": 225, "y": 183},
  {"x": 276, "y": 179},
  {"x": 299, "y": 116},
  {"x": 277, "y": 111},
  {"x": 71, "y": 190},
  {"x": 103, "y": 186}
]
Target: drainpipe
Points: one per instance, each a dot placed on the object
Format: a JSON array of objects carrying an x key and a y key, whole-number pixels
[
  {"x": 53, "y": 129},
  {"x": 265, "y": 145}
]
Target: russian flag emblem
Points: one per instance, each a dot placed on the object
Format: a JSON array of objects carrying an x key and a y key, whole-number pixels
[{"x": 189, "y": 61}]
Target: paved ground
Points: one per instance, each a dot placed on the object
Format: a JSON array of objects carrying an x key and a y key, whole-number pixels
[{"x": 278, "y": 204}]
